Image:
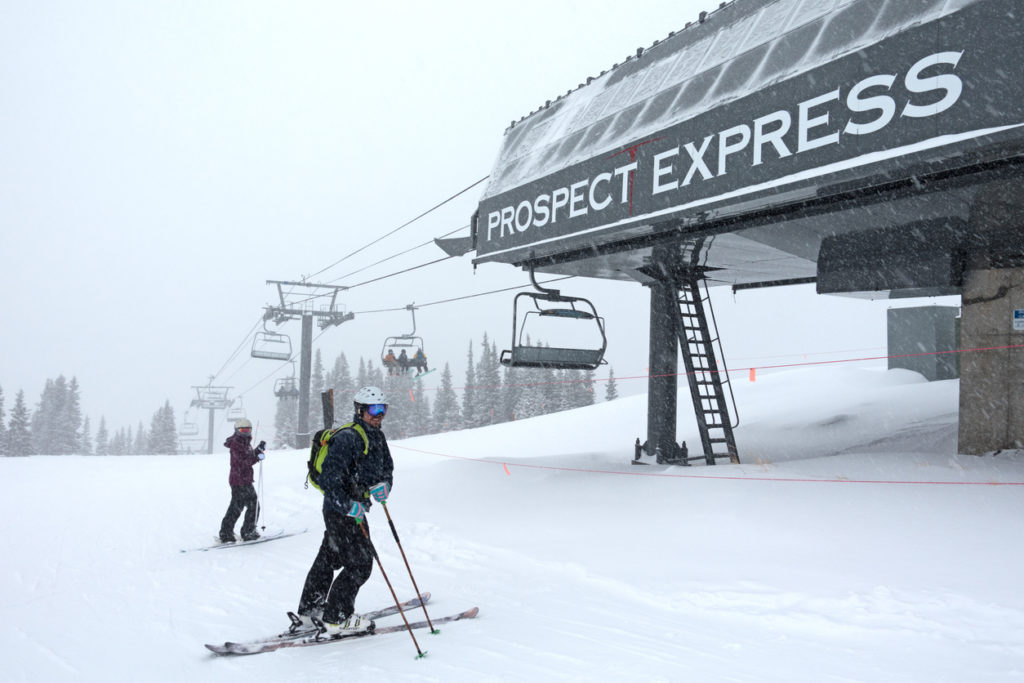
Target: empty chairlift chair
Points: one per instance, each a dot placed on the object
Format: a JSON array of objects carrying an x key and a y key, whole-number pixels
[
  {"x": 568, "y": 326},
  {"x": 189, "y": 427},
  {"x": 271, "y": 346},
  {"x": 236, "y": 411}
]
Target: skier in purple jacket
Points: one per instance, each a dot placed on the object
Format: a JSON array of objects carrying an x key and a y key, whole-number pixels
[{"x": 243, "y": 495}]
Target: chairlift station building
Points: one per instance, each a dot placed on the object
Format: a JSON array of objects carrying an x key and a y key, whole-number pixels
[{"x": 874, "y": 147}]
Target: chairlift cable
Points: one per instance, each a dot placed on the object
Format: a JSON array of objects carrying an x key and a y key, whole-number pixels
[
  {"x": 403, "y": 225},
  {"x": 460, "y": 298},
  {"x": 275, "y": 370},
  {"x": 314, "y": 297},
  {"x": 493, "y": 291},
  {"x": 238, "y": 369},
  {"x": 244, "y": 342},
  {"x": 306, "y": 277},
  {"x": 401, "y": 253},
  {"x": 378, "y": 279},
  {"x": 400, "y": 272}
]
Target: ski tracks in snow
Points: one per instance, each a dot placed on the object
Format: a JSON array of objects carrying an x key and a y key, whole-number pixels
[{"x": 610, "y": 629}]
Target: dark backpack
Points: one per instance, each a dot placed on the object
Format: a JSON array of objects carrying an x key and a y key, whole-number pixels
[{"x": 318, "y": 451}]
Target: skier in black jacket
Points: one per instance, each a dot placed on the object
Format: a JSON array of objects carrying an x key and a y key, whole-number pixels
[{"x": 358, "y": 467}]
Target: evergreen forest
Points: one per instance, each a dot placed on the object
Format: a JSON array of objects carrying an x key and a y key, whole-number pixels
[{"x": 489, "y": 394}]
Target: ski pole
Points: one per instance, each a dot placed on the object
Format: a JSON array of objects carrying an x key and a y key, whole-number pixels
[
  {"x": 259, "y": 497},
  {"x": 398, "y": 604},
  {"x": 259, "y": 501},
  {"x": 394, "y": 533}
]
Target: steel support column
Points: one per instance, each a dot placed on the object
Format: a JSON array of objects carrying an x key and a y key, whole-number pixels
[
  {"x": 209, "y": 432},
  {"x": 302, "y": 434},
  {"x": 663, "y": 361}
]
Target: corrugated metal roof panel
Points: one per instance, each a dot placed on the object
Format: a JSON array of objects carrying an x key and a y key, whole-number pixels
[{"x": 741, "y": 47}]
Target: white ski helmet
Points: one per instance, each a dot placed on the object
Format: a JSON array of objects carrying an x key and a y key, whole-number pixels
[
  {"x": 368, "y": 396},
  {"x": 243, "y": 423}
]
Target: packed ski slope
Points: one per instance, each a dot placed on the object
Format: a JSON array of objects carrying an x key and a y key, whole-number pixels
[{"x": 852, "y": 544}]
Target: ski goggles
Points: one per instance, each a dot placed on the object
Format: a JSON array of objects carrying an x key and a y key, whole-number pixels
[
  {"x": 377, "y": 410},
  {"x": 245, "y": 430}
]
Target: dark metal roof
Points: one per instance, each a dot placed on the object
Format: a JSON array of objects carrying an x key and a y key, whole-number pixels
[
  {"x": 738, "y": 49},
  {"x": 771, "y": 126}
]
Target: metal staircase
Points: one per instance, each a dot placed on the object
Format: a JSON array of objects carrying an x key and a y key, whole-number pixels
[{"x": 698, "y": 339}]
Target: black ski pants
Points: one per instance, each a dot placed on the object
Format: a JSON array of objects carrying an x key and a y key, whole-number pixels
[
  {"x": 344, "y": 547},
  {"x": 241, "y": 497}
]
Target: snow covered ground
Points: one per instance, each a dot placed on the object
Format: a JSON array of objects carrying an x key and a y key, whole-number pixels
[{"x": 852, "y": 544}]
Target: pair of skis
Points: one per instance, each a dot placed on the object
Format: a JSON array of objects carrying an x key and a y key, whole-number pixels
[
  {"x": 311, "y": 636},
  {"x": 218, "y": 544}
]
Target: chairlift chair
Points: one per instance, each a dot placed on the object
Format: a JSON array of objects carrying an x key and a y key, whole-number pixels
[
  {"x": 410, "y": 343},
  {"x": 188, "y": 427},
  {"x": 271, "y": 345},
  {"x": 286, "y": 387},
  {"x": 236, "y": 411},
  {"x": 565, "y": 308},
  {"x": 400, "y": 343}
]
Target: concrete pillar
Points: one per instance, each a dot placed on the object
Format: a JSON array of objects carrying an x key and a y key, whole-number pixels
[{"x": 991, "y": 381}]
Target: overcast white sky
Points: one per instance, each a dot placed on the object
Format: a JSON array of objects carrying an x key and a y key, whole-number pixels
[{"x": 160, "y": 161}]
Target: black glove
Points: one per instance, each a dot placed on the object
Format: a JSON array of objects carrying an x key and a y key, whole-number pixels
[{"x": 262, "y": 447}]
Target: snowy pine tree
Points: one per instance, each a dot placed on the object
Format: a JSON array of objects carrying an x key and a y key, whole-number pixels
[
  {"x": 19, "y": 432},
  {"x": 3, "y": 427},
  {"x": 316, "y": 387},
  {"x": 489, "y": 389},
  {"x": 119, "y": 444},
  {"x": 163, "y": 433},
  {"x": 361, "y": 376},
  {"x": 446, "y": 415},
  {"x": 589, "y": 395},
  {"x": 550, "y": 392},
  {"x": 397, "y": 388},
  {"x": 419, "y": 410},
  {"x": 566, "y": 388},
  {"x": 531, "y": 392},
  {"x": 286, "y": 420},
  {"x": 578, "y": 388},
  {"x": 71, "y": 420},
  {"x": 343, "y": 384},
  {"x": 85, "y": 441},
  {"x": 374, "y": 375},
  {"x": 141, "y": 443},
  {"x": 511, "y": 394},
  {"x": 469, "y": 411},
  {"x": 611, "y": 390},
  {"x": 531, "y": 381},
  {"x": 45, "y": 417},
  {"x": 102, "y": 438}
]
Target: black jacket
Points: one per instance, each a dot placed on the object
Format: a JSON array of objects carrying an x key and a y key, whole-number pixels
[{"x": 347, "y": 474}]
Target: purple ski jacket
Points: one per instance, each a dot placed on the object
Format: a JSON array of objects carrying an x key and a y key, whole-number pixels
[{"x": 242, "y": 459}]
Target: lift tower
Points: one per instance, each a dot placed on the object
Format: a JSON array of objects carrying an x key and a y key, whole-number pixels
[
  {"x": 294, "y": 306},
  {"x": 211, "y": 398}
]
